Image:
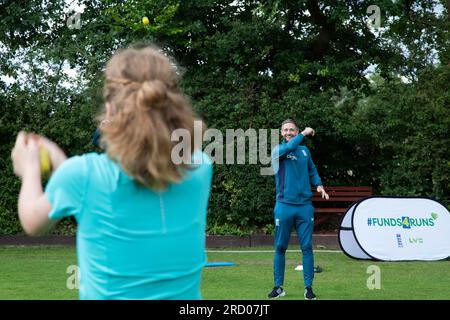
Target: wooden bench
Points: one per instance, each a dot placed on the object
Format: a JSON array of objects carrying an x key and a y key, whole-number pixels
[{"x": 340, "y": 200}]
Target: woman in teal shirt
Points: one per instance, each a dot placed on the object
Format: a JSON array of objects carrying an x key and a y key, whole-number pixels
[{"x": 141, "y": 217}]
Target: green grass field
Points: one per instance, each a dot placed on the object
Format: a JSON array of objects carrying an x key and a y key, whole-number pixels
[{"x": 41, "y": 273}]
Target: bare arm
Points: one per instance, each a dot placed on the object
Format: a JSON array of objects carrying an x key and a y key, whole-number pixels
[{"x": 33, "y": 206}]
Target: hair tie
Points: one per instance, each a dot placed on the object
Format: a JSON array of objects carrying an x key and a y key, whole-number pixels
[{"x": 152, "y": 94}]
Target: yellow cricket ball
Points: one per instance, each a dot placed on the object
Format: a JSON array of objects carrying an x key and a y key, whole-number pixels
[
  {"x": 44, "y": 157},
  {"x": 145, "y": 21}
]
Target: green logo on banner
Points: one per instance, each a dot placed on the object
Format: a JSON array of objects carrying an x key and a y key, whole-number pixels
[{"x": 405, "y": 223}]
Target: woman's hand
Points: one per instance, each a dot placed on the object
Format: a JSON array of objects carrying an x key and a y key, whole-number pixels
[
  {"x": 322, "y": 191},
  {"x": 25, "y": 155}
]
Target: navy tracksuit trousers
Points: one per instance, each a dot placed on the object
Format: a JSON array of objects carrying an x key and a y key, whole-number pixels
[{"x": 301, "y": 216}]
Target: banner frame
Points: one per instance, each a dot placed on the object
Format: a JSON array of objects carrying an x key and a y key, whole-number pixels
[{"x": 356, "y": 204}]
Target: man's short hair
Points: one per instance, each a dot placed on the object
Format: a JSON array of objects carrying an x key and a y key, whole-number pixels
[{"x": 289, "y": 120}]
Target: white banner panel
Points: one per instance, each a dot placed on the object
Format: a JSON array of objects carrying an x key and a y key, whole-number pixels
[
  {"x": 347, "y": 239},
  {"x": 397, "y": 228}
]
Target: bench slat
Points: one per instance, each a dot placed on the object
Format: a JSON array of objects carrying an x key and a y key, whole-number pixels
[
  {"x": 332, "y": 199},
  {"x": 348, "y": 188},
  {"x": 343, "y": 194},
  {"x": 330, "y": 210}
]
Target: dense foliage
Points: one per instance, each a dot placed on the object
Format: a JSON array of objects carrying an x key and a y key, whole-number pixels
[{"x": 247, "y": 64}]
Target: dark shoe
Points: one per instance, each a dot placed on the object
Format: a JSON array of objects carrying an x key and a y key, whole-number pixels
[
  {"x": 276, "y": 293},
  {"x": 317, "y": 269},
  {"x": 309, "y": 294}
]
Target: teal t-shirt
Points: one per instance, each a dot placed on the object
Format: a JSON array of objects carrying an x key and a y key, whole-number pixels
[{"x": 132, "y": 242}]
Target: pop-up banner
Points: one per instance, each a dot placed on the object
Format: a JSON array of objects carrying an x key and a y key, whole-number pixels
[{"x": 396, "y": 229}]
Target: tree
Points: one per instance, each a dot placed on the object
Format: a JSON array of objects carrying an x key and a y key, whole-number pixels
[{"x": 245, "y": 64}]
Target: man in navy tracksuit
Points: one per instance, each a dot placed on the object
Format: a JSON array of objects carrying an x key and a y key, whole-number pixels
[{"x": 295, "y": 172}]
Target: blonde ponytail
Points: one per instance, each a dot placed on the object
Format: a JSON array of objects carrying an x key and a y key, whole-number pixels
[{"x": 147, "y": 106}]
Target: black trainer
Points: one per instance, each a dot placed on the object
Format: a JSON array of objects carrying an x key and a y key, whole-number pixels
[
  {"x": 276, "y": 293},
  {"x": 318, "y": 269},
  {"x": 309, "y": 294}
]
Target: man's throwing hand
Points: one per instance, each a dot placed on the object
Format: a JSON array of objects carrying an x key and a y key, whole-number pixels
[{"x": 308, "y": 132}]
